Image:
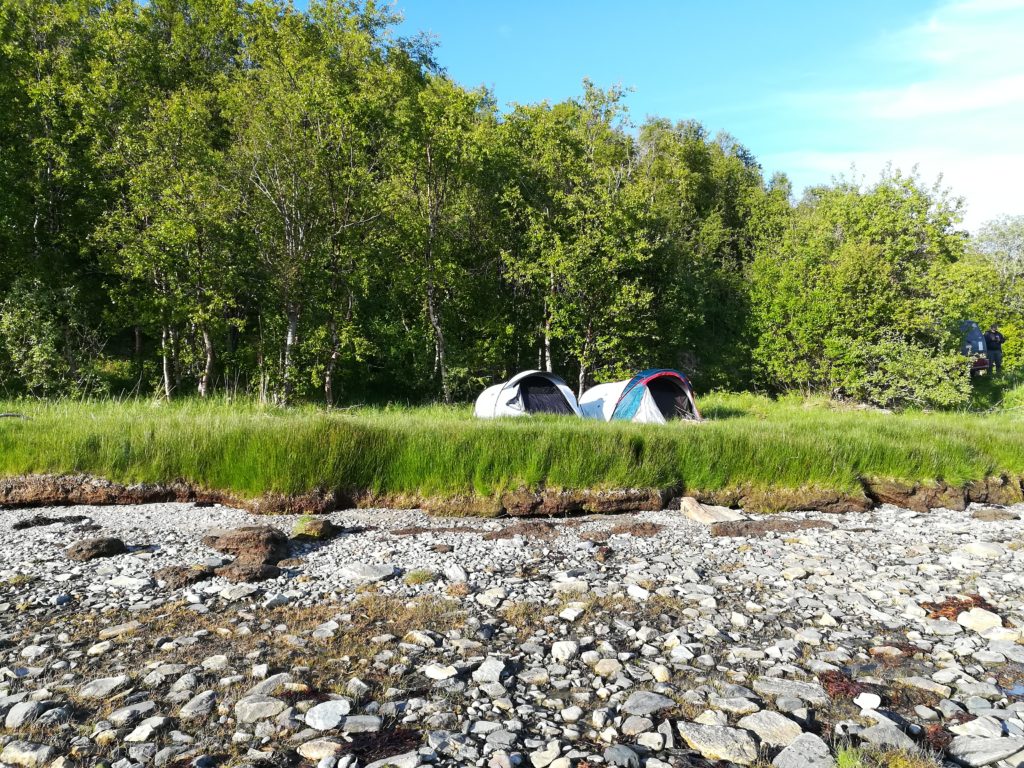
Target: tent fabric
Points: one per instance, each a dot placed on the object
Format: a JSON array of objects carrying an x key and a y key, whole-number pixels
[
  {"x": 525, "y": 393},
  {"x": 972, "y": 340},
  {"x": 653, "y": 396}
]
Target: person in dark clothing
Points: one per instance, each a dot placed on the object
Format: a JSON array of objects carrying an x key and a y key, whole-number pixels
[{"x": 994, "y": 341}]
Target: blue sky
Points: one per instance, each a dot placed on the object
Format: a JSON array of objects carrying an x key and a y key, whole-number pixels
[{"x": 813, "y": 89}]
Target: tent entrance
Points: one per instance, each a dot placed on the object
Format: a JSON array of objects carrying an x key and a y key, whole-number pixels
[
  {"x": 670, "y": 397},
  {"x": 540, "y": 395}
]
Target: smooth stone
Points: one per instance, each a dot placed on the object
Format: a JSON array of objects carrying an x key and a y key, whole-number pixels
[
  {"x": 23, "y": 713},
  {"x": 564, "y": 650},
  {"x": 771, "y": 728},
  {"x": 404, "y": 760},
  {"x": 621, "y": 755},
  {"x": 887, "y": 735},
  {"x": 644, "y": 703},
  {"x": 988, "y": 550},
  {"x": 706, "y": 514},
  {"x": 318, "y": 749},
  {"x": 361, "y": 724},
  {"x": 868, "y": 700},
  {"x": 979, "y": 620},
  {"x": 199, "y": 706},
  {"x": 328, "y": 715},
  {"x": 716, "y": 742},
  {"x": 147, "y": 729},
  {"x": 805, "y": 751},
  {"x": 252, "y": 709},
  {"x": 102, "y": 687},
  {"x": 489, "y": 671},
  {"x": 132, "y": 713},
  {"x": 977, "y": 750},
  {"x": 812, "y": 693},
  {"x": 439, "y": 672}
]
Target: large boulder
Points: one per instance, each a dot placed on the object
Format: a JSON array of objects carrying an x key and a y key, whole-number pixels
[
  {"x": 707, "y": 514},
  {"x": 251, "y": 543},
  {"x": 716, "y": 742},
  {"x": 90, "y": 549}
]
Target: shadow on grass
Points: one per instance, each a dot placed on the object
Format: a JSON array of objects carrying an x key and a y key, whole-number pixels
[{"x": 720, "y": 412}]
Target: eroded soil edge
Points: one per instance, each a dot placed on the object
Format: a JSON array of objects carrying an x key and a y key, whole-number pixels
[{"x": 53, "y": 490}]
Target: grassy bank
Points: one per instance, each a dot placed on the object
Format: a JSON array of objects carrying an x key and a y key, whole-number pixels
[{"x": 247, "y": 450}]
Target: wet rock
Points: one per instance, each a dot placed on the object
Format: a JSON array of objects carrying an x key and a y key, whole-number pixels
[{"x": 40, "y": 520}]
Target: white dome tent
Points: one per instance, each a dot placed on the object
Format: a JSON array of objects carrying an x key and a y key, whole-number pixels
[
  {"x": 525, "y": 393},
  {"x": 654, "y": 396}
]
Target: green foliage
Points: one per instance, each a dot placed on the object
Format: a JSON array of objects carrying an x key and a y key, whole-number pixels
[
  {"x": 851, "y": 757},
  {"x": 42, "y": 336},
  {"x": 849, "y": 302},
  {"x": 895, "y": 373}
]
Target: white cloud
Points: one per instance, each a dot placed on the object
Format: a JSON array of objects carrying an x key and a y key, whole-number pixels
[
  {"x": 953, "y": 105},
  {"x": 990, "y": 182}
]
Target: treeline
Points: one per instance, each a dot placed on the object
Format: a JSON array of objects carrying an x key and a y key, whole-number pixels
[{"x": 226, "y": 196}]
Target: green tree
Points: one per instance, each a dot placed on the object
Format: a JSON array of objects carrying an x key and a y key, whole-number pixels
[
  {"x": 586, "y": 242},
  {"x": 848, "y": 297},
  {"x": 173, "y": 233},
  {"x": 434, "y": 191}
]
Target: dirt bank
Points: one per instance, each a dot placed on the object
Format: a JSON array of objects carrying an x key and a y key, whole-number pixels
[{"x": 59, "y": 490}]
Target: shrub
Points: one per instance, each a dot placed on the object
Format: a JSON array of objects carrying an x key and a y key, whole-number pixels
[{"x": 897, "y": 373}]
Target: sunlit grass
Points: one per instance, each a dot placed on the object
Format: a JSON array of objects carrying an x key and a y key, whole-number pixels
[{"x": 248, "y": 449}]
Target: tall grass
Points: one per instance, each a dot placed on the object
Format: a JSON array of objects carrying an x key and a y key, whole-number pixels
[{"x": 747, "y": 440}]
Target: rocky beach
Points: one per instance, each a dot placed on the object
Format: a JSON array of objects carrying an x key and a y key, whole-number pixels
[{"x": 197, "y": 635}]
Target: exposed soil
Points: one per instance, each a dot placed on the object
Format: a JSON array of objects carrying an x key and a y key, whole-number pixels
[{"x": 55, "y": 490}]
